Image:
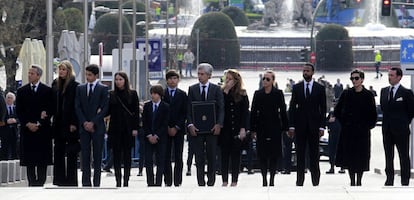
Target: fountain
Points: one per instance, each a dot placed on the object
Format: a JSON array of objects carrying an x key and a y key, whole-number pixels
[{"x": 278, "y": 44}]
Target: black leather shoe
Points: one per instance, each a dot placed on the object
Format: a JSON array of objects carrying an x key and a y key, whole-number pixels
[{"x": 331, "y": 171}]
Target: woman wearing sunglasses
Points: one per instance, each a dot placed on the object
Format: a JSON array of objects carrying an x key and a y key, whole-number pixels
[
  {"x": 268, "y": 122},
  {"x": 357, "y": 114}
]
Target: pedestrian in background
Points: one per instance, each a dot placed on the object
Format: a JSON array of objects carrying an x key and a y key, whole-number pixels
[
  {"x": 356, "y": 111},
  {"x": 65, "y": 127},
  {"x": 34, "y": 110},
  {"x": 334, "y": 129},
  {"x": 10, "y": 131},
  {"x": 236, "y": 110},
  {"x": 397, "y": 105},
  {"x": 268, "y": 123},
  {"x": 378, "y": 59},
  {"x": 188, "y": 60},
  {"x": 338, "y": 88},
  {"x": 123, "y": 125}
]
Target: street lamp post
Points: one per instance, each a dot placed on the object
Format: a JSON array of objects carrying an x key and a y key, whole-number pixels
[{"x": 312, "y": 44}]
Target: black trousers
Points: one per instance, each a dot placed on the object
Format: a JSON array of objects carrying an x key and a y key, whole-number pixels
[
  {"x": 8, "y": 137},
  {"x": 174, "y": 145},
  {"x": 401, "y": 141},
  {"x": 230, "y": 152},
  {"x": 122, "y": 155},
  {"x": 158, "y": 151},
  {"x": 36, "y": 175},
  {"x": 308, "y": 139},
  {"x": 96, "y": 141},
  {"x": 205, "y": 145},
  {"x": 65, "y": 170}
]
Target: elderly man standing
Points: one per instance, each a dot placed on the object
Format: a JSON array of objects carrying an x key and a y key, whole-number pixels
[
  {"x": 33, "y": 106},
  {"x": 205, "y": 142}
]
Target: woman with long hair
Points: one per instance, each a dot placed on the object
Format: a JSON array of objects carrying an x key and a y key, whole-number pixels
[
  {"x": 123, "y": 125},
  {"x": 65, "y": 127},
  {"x": 236, "y": 110}
]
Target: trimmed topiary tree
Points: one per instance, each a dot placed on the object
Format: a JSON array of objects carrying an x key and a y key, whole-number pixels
[
  {"x": 218, "y": 40},
  {"x": 334, "y": 48},
  {"x": 236, "y": 15},
  {"x": 106, "y": 31},
  {"x": 139, "y": 17}
]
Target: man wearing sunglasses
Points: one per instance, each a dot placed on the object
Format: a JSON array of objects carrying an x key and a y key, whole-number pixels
[
  {"x": 307, "y": 113},
  {"x": 397, "y": 104}
]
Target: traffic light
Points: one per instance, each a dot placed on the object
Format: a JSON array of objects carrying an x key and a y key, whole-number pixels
[
  {"x": 386, "y": 8},
  {"x": 304, "y": 54}
]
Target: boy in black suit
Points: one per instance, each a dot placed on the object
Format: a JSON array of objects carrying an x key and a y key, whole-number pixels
[
  {"x": 177, "y": 99},
  {"x": 155, "y": 125}
]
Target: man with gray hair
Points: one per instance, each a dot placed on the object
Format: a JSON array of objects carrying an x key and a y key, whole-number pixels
[
  {"x": 9, "y": 133},
  {"x": 205, "y": 141},
  {"x": 33, "y": 108}
]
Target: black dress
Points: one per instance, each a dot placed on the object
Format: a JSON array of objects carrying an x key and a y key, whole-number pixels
[
  {"x": 123, "y": 121},
  {"x": 66, "y": 143},
  {"x": 356, "y": 111}
]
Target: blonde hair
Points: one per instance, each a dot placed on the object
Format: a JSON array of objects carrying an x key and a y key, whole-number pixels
[
  {"x": 65, "y": 64},
  {"x": 237, "y": 91}
]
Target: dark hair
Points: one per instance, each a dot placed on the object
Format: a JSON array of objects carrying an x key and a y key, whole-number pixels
[
  {"x": 171, "y": 73},
  {"x": 358, "y": 71},
  {"x": 157, "y": 89},
  {"x": 93, "y": 68},
  {"x": 310, "y": 65},
  {"x": 126, "y": 86},
  {"x": 397, "y": 70}
]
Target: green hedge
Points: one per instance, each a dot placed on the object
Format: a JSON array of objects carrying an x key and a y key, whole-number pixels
[
  {"x": 218, "y": 40},
  {"x": 334, "y": 49}
]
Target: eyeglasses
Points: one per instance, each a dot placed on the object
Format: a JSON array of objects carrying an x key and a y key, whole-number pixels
[
  {"x": 266, "y": 78},
  {"x": 354, "y": 78}
]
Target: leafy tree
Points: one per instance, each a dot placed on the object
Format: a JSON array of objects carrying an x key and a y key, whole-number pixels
[
  {"x": 25, "y": 19},
  {"x": 106, "y": 31},
  {"x": 218, "y": 40},
  {"x": 334, "y": 48},
  {"x": 236, "y": 15}
]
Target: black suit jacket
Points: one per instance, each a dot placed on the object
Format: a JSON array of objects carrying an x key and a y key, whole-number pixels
[
  {"x": 311, "y": 112},
  {"x": 397, "y": 113},
  {"x": 178, "y": 108},
  {"x": 214, "y": 93},
  {"x": 160, "y": 122},
  {"x": 36, "y": 148},
  {"x": 11, "y": 127}
]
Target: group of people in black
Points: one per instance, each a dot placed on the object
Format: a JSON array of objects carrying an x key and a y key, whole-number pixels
[{"x": 60, "y": 121}]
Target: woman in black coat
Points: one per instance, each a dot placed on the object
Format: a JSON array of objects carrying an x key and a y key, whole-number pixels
[
  {"x": 65, "y": 127},
  {"x": 236, "y": 108},
  {"x": 123, "y": 125},
  {"x": 357, "y": 114},
  {"x": 268, "y": 123}
]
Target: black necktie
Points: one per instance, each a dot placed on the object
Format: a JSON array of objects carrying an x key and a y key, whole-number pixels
[
  {"x": 307, "y": 91},
  {"x": 90, "y": 91},
  {"x": 391, "y": 95},
  {"x": 10, "y": 110},
  {"x": 203, "y": 93},
  {"x": 154, "y": 115},
  {"x": 33, "y": 88}
]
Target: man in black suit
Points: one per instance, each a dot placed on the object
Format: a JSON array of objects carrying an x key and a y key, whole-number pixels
[
  {"x": 177, "y": 99},
  {"x": 91, "y": 106},
  {"x": 33, "y": 107},
  {"x": 205, "y": 143},
  {"x": 307, "y": 113},
  {"x": 397, "y": 104},
  {"x": 10, "y": 131}
]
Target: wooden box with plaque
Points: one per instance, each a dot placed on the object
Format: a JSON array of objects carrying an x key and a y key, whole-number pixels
[{"x": 204, "y": 116}]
